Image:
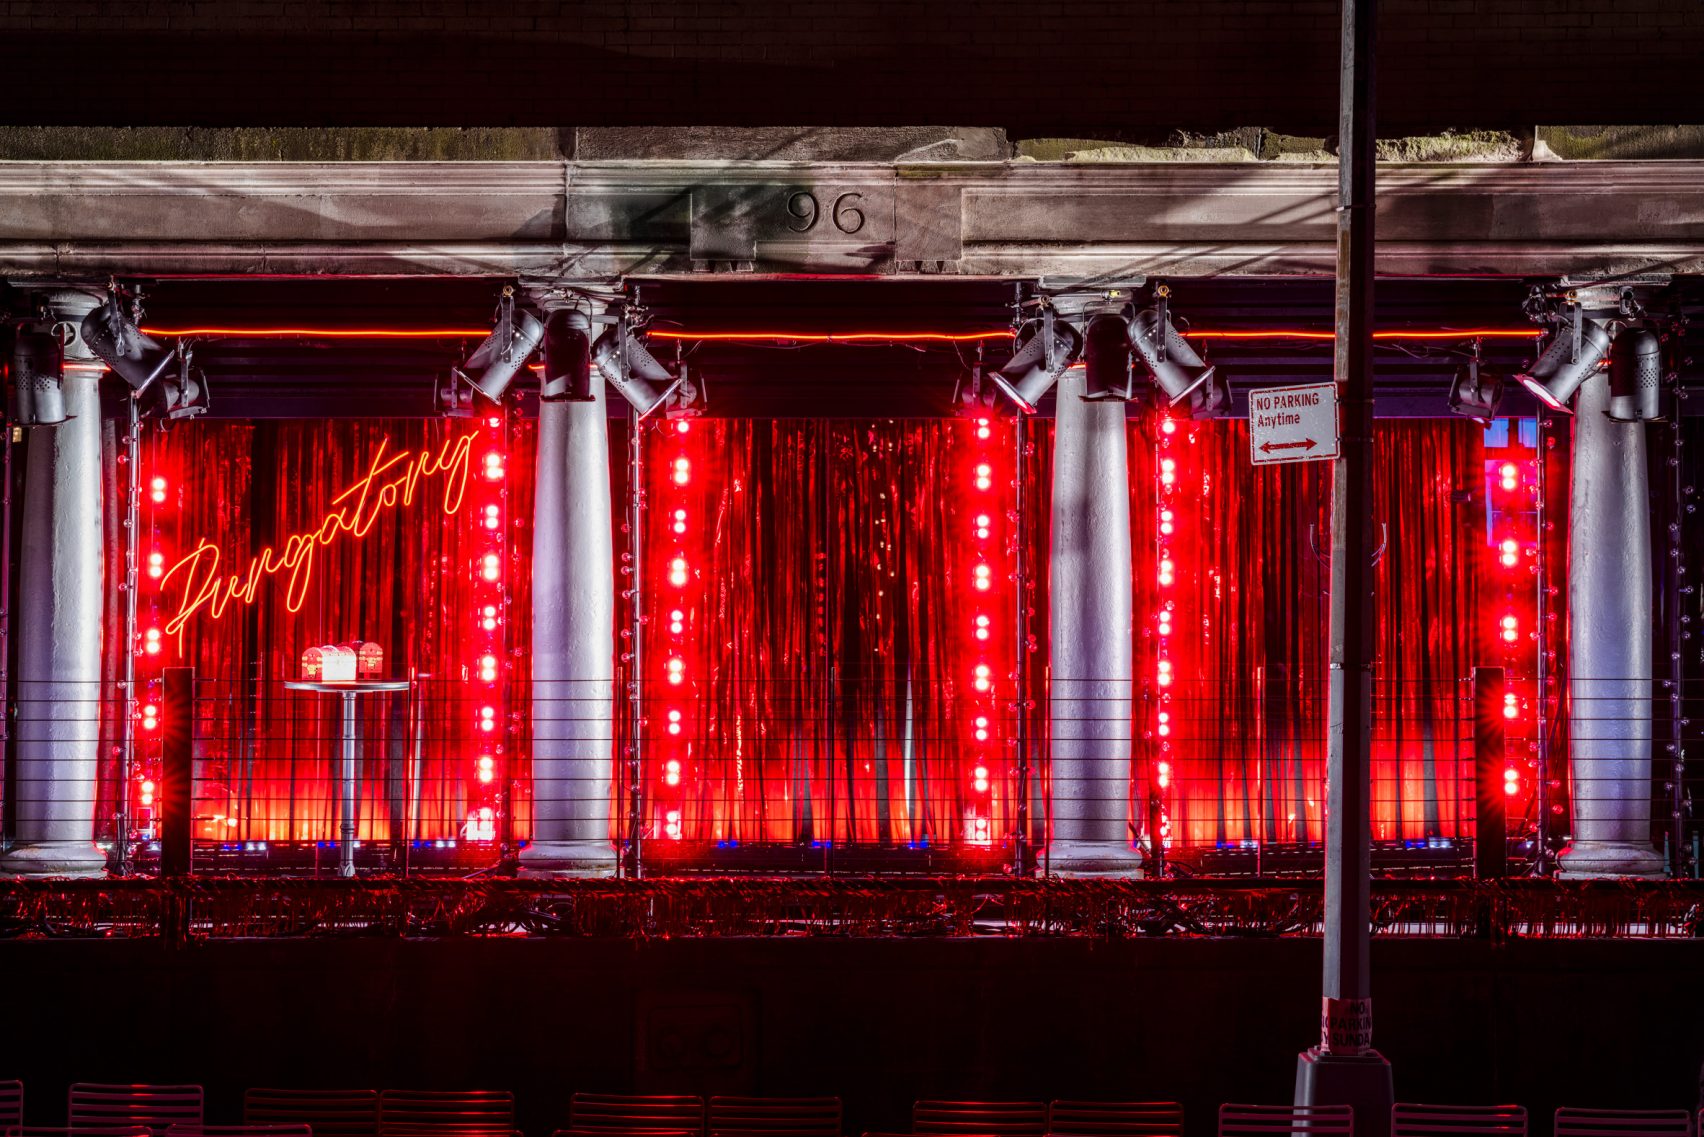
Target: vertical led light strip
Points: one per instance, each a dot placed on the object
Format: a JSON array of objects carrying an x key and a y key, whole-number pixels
[
  {"x": 1515, "y": 594},
  {"x": 677, "y": 614},
  {"x": 991, "y": 533},
  {"x": 489, "y": 667},
  {"x": 159, "y": 515},
  {"x": 1166, "y": 475}
]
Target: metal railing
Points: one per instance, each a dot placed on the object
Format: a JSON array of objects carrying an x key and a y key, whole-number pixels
[{"x": 846, "y": 773}]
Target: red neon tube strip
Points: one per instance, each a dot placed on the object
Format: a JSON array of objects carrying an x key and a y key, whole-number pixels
[{"x": 842, "y": 337}]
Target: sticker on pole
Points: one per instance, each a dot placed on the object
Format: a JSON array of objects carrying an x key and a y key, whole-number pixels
[{"x": 1293, "y": 424}]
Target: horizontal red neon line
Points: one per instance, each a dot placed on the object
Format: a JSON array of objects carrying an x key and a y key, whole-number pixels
[
  {"x": 833, "y": 337},
  {"x": 841, "y": 337},
  {"x": 329, "y": 333},
  {"x": 1398, "y": 334}
]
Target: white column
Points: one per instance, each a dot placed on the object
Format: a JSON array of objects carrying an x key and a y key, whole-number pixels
[
  {"x": 58, "y": 685},
  {"x": 1609, "y": 649},
  {"x": 573, "y": 662},
  {"x": 1091, "y": 643}
]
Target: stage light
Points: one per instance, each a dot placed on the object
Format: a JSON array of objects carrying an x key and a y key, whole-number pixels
[
  {"x": 1178, "y": 370},
  {"x": 567, "y": 358},
  {"x": 1475, "y": 393},
  {"x": 1635, "y": 377},
  {"x": 491, "y": 567},
  {"x": 621, "y": 356},
  {"x": 1511, "y": 554},
  {"x": 493, "y": 466},
  {"x": 677, "y": 572},
  {"x": 1106, "y": 360},
  {"x": 682, "y": 471},
  {"x": 1041, "y": 352},
  {"x": 1510, "y": 475},
  {"x": 133, "y": 355},
  {"x": 1511, "y": 706},
  {"x": 1555, "y": 375},
  {"x": 157, "y": 490},
  {"x": 181, "y": 393},
  {"x": 984, "y": 476},
  {"x": 496, "y": 361},
  {"x": 983, "y": 677},
  {"x": 38, "y": 374}
]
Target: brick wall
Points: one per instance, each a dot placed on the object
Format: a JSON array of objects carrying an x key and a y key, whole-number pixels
[{"x": 1106, "y": 67}]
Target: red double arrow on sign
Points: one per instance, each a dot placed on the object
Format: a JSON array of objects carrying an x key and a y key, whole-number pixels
[{"x": 1302, "y": 444}]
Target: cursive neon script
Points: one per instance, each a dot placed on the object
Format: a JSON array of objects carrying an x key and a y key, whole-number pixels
[{"x": 391, "y": 480}]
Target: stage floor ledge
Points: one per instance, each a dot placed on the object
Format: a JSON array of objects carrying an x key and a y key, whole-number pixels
[{"x": 202, "y": 908}]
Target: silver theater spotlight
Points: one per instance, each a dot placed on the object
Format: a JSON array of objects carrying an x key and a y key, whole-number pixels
[
  {"x": 568, "y": 358},
  {"x": 501, "y": 355},
  {"x": 622, "y": 357},
  {"x": 116, "y": 341},
  {"x": 1635, "y": 376},
  {"x": 1106, "y": 360},
  {"x": 1476, "y": 392},
  {"x": 1557, "y": 373},
  {"x": 1174, "y": 364},
  {"x": 1041, "y": 351},
  {"x": 38, "y": 372},
  {"x": 181, "y": 393}
]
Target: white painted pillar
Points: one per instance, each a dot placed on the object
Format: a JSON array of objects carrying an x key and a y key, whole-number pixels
[
  {"x": 1609, "y": 650},
  {"x": 1091, "y": 639},
  {"x": 573, "y": 662},
  {"x": 58, "y": 685}
]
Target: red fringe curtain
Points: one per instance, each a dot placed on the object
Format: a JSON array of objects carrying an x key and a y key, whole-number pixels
[{"x": 828, "y": 645}]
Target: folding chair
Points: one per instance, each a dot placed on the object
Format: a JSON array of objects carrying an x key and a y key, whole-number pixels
[
  {"x": 1115, "y": 1119},
  {"x": 995, "y": 1118},
  {"x": 151, "y": 1107},
  {"x": 605, "y": 1112},
  {"x": 1286, "y": 1120},
  {"x": 419, "y": 1113},
  {"x": 1576, "y": 1121},
  {"x": 329, "y": 1113},
  {"x": 1415, "y": 1119},
  {"x": 11, "y": 1104},
  {"x": 774, "y": 1117}
]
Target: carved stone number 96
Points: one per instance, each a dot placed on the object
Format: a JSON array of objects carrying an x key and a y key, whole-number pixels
[{"x": 803, "y": 212}]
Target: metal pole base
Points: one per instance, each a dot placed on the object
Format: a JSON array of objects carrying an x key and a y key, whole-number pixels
[
  {"x": 1092, "y": 858},
  {"x": 568, "y": 859},
  {"x": 43, "y": 859},
  {"x": 1600, "y": 860},
  {"x": 1361, "y": 1080}
]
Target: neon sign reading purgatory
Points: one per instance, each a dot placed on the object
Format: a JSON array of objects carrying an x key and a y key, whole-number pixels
[{"x": 391, "y": 481}]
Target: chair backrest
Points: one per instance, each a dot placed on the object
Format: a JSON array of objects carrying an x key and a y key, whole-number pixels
[
  {"x": 772, "y": 1117},
  {"x": 998, "y": 1118},
  {"x": 446, "y": 1111},
  {"x": 330, "y": 1113},
  {"x": 154, "y": 1107},
  {"x": 1237, "y": 1120},
  {"x": 603, "y": 1112},
  {"x": 11, "y": 1104},
  {"x": 1416, "y": 1119},
  {"x": 1575, "y": 1121},
  {"x": 1115, "y": 1118}
]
